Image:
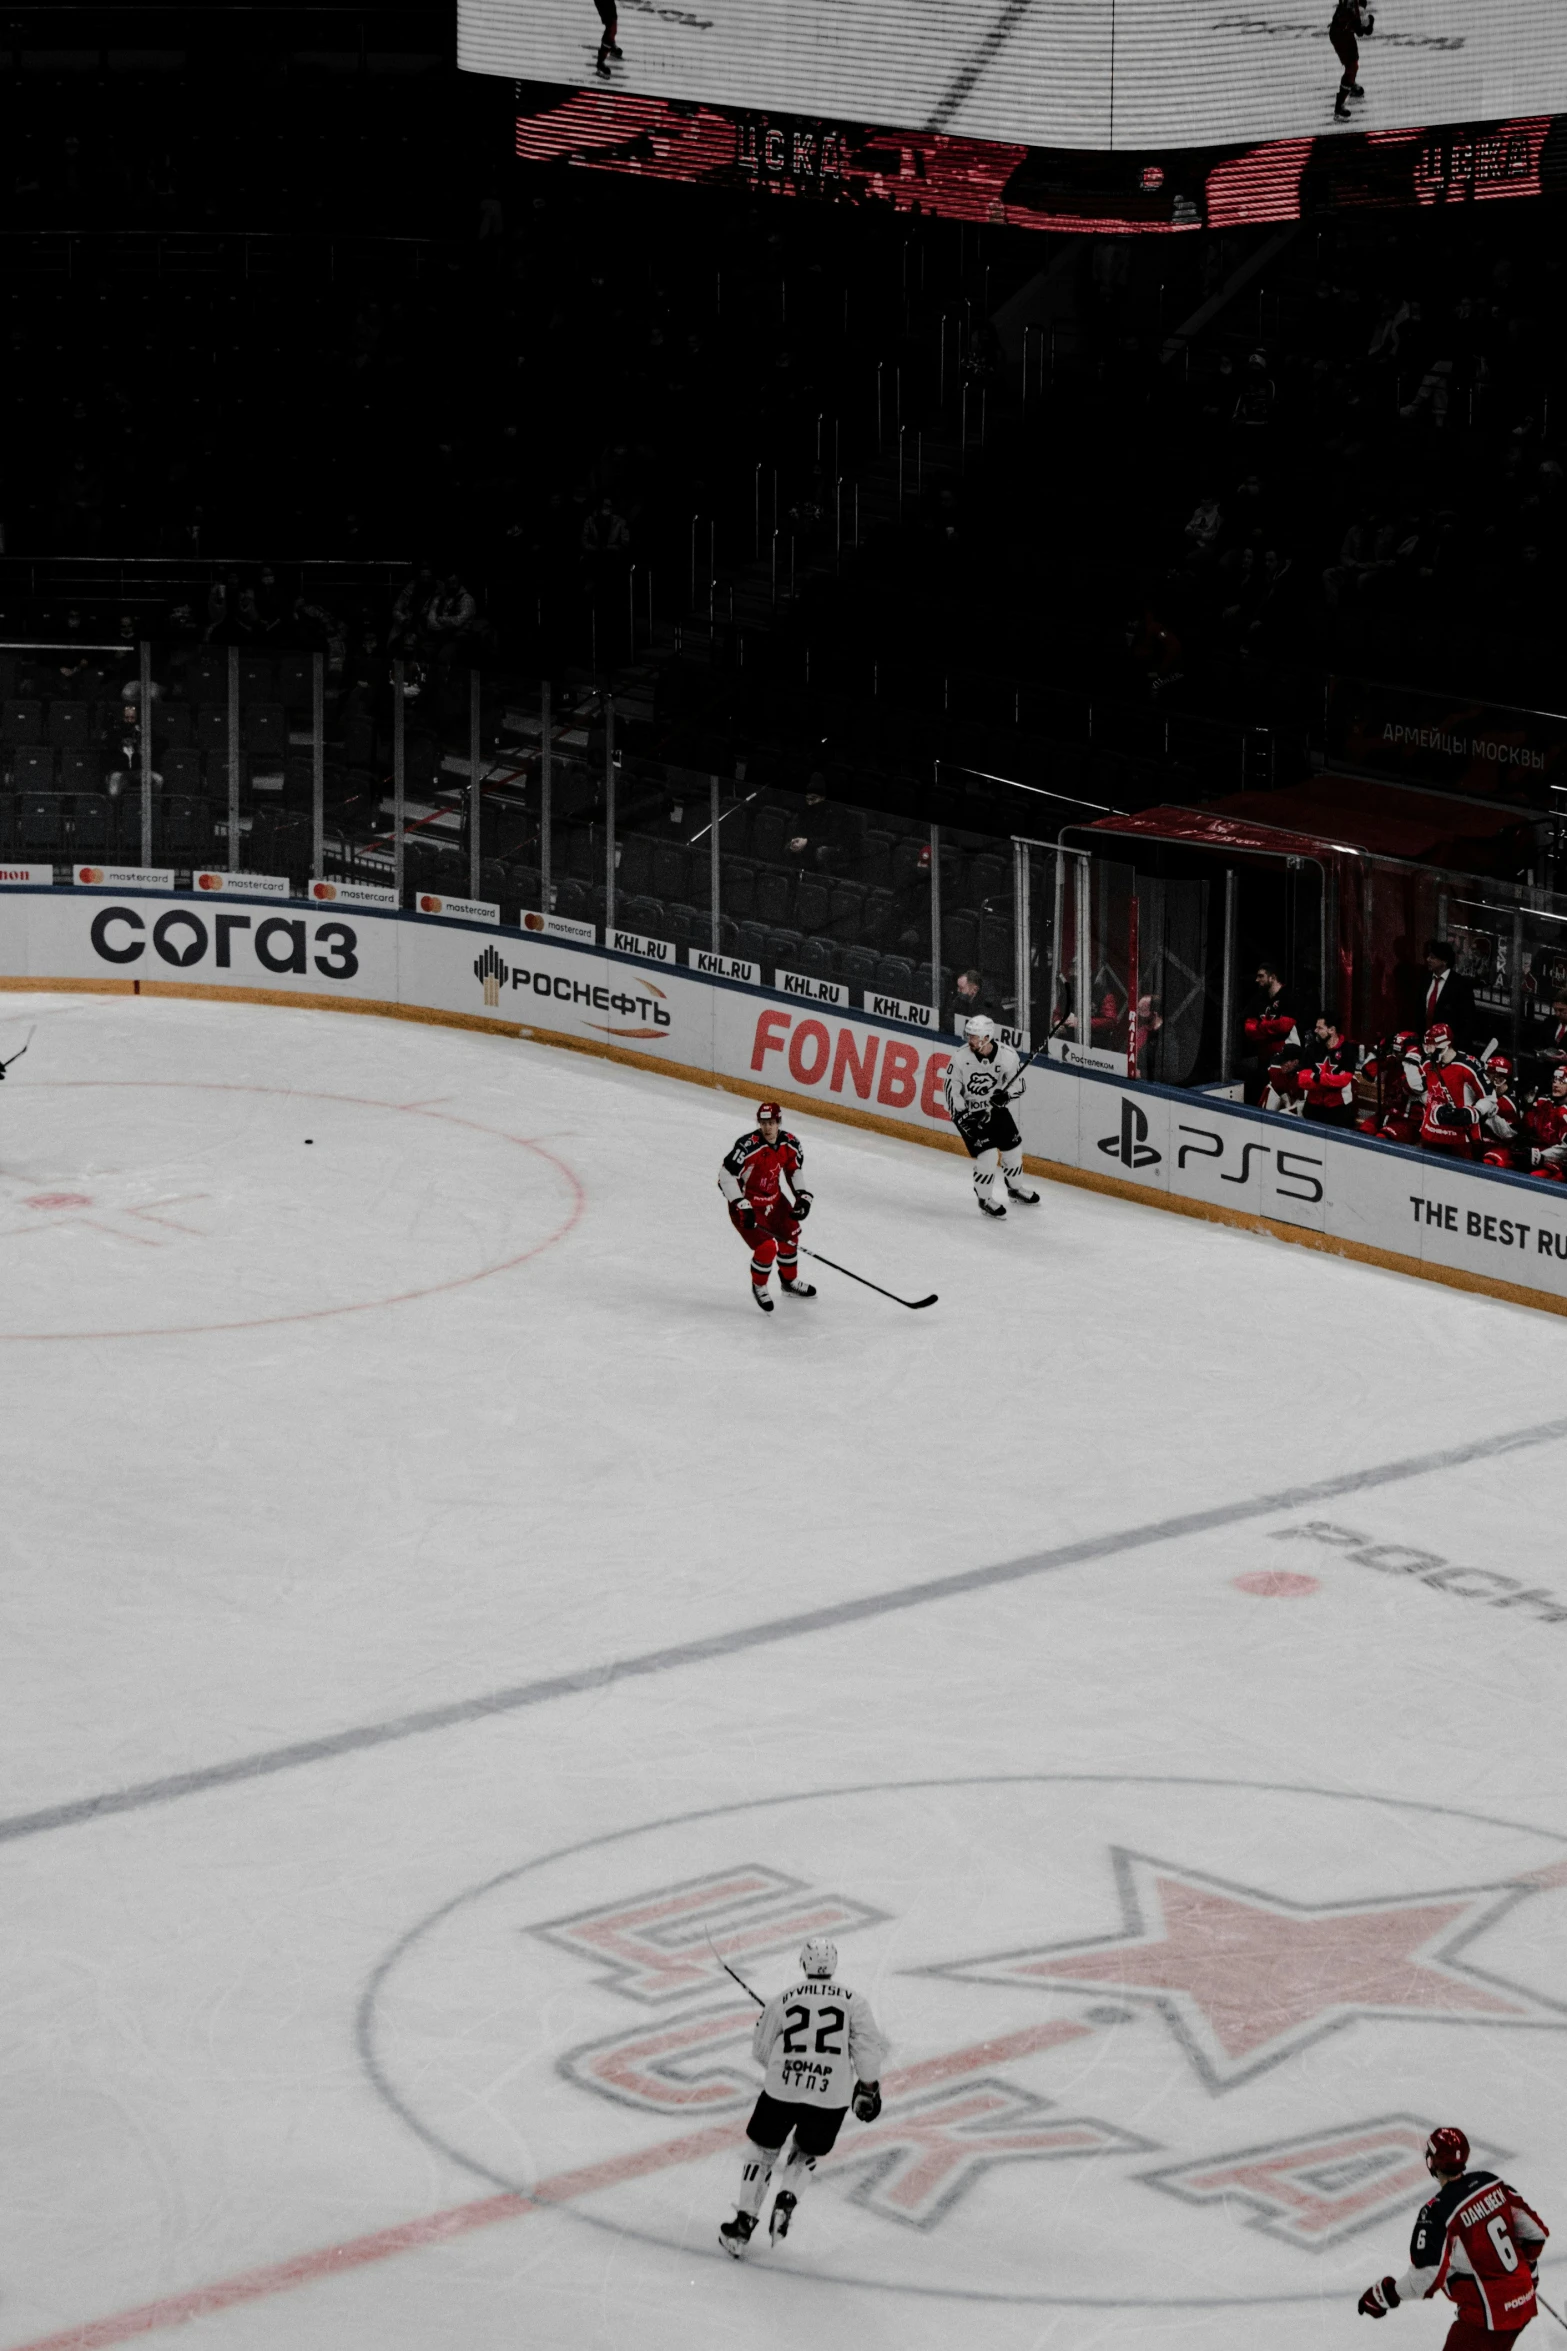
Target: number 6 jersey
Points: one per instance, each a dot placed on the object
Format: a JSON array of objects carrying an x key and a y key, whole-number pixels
[
  {"x": 816, "y": 2041},
  {"x": 1478, "y": 2242}
]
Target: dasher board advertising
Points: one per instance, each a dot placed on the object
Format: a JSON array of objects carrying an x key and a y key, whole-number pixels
[{"x": 1058, "y": 73}]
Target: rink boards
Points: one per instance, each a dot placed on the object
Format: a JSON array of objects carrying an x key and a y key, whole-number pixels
[{"x": 1471, "y": 1227}]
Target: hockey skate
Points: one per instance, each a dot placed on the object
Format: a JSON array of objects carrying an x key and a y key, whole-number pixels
[
  {"x": 989, "y": 1207},
  {"x": 1022, "y": 1192},
  {"x": 797, "y": 1289},
  {"x": 783, "y": 2212},
  {"x": 735, "y": 2235},
  {"x": 763, "y": 1298}
]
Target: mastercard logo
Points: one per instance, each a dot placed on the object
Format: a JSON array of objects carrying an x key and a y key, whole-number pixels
[
  {"x": 90, "y": 873},
  {"x": 431, "y": 905},
  {"x": 533, "y": 922},
  {"x": 209, "y": 881},
  {"x": 322, "y": 890}
]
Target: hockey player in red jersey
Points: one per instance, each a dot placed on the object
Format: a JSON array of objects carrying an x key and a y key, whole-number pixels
[
  {"x": 1327, "y": 1079},
  {"x": 1539, "y": 1143},
  {"x": 1449, "y": 1089},
  {"x": 1477, "y": 2242},
  {"x": 1389, "y": 1109},
  {"x": 765, "y": 1215}
]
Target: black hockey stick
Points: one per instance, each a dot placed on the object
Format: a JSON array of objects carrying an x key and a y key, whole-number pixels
[
  {"x": 1544, "y": 2305},
  {"x": 5, "y": 1065},
  {"x": 729, "y": 1971},
  {"x": 913, "y": 1304}
]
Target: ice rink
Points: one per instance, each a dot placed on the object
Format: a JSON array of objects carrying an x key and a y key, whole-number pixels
[
  {"x": 1055, "y": 73},
  {"x": 435, "y": 1600}
]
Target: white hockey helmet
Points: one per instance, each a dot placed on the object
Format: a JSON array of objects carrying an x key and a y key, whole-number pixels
[
  {"x": 979, "y": 1024},
  {"x": 818, "y": 1956}
]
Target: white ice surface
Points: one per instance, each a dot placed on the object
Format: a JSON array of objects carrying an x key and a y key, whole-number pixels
[{"x": 249, "y": 1505}]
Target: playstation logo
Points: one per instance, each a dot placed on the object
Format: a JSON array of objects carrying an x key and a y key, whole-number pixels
[{"x": 1130, "y": 1146}]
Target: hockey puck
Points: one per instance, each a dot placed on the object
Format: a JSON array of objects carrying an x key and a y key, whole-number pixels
[{"x": 310, "y": 1138}]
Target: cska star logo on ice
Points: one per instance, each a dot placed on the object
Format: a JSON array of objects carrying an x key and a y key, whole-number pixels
[
  {"x": 1116, "y": 2060},
  {"x": 1245, "y": 1980}
]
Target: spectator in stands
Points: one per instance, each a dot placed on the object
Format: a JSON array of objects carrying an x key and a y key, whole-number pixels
[
  {"x": 452, "y": 619},
  {"x": 1150, "y": 1021},
  {"x": 1282, "y": 1089},
  {"x": 969, "y": 996},
  {"x": 825, "y": 835},
  {"x": 122, "y": 746},
  {"x": 1202, "y": 531},
  {"x": 1448, "y": 995}
]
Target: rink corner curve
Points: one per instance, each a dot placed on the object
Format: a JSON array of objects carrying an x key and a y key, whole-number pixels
[{"x": 1489, "y": 1231}]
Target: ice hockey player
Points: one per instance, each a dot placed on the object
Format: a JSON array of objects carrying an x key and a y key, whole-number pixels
[
  {"x": 1388, "y": 1108},
  {"x": 823, "y": 2053},
  {"x": 1477, "y": 2242},
  {"x": 767, "y": 1217},
  {"x": 980, "y": 1080},
  {"x": 1352, "y": 22},
  {"x": 1449, "y": 1089},
  {"x": 1539, "y": 1144}
]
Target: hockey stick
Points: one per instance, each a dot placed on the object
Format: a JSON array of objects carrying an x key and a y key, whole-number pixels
[
  {"x": 5, "y": 1065},
  {"x": 913, "y": 1304},
  {"x": 1544, "y": 2305},
  {"x": 729, "y": 1971}
]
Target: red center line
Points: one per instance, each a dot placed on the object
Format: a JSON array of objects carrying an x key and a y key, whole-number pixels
[{"x": 438, "y": 2228}]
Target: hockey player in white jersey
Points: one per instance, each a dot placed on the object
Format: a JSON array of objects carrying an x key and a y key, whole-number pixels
[
  {"x": 823, "y": 2053},
  {"x": 982, "y": 1077}
]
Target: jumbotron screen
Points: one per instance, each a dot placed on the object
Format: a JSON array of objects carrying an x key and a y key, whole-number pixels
[{"x": 1094, "y": 75}]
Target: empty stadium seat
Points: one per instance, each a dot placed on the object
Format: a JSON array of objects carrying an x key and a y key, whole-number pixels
[
  {"x": 70, "y": 725},
  {"x": 857, "y": 965},
  {"x": 187, "y": 827},
  {"x": 41, "y": 822},
  {"x": 670, "y": 864},
  {"x": 770, "y": 901},
  {"x": 737, "y": 887},
  {"x": 174, "y": 724},
  {"x": 22, "y": 721},
  {"x": 181, "y": 770},
  {"x": 264, "y": 729},
  {"x": 94, "y": 828},
  {"x": 811, "y": 898},
  {"x": 894, "y": 975},
  {"x": 80, "y": 771},
  {"x": 633, "y": 865},
  {"x": 32, "y": 768}
]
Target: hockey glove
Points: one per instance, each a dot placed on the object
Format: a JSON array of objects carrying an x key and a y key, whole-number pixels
[
  {"x": 743, "y": 1217},
  {"x": 867, "y": 2100},
  {"x": 802, "y": 1205},
  {"x": 1378, "y": 2300}
]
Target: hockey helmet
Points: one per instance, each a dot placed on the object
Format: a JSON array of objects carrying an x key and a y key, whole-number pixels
[
  {"x": 1500, "y": 1066},
  {"x": 818, "y": 1956},
  {"x": 979, "y": 1024},
  {"x": 1447, "y": 2149},
  {"x": 766, "y": 1111},
  {"x": 1557, "y": 1074},
  {"x": 1438, "y": 1034}
]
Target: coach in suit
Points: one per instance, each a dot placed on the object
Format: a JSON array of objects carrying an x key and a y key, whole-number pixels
[{"x": 1448, "y": 995}]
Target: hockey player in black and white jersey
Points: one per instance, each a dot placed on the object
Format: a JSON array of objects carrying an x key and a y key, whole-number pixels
[
  {"x": 981, "y": 1079},
  {"x": 823, "y": 2053}
]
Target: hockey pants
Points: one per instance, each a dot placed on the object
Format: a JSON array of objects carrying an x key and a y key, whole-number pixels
[
  {"x": 771, "y": 1232},
  {"x": 996, "y": 1148}
]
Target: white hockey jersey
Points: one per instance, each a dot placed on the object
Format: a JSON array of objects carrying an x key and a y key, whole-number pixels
[
  {"x": 972, "y": 1085},
  {"x": 816, "y": 2041}
]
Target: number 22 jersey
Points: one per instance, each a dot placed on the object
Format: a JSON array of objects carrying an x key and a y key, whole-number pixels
[{"x": 816, "y": 2041}]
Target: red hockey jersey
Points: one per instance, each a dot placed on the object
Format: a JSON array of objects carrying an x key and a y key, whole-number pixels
[
  {"x": 753, "y": 1169},
  {"x": 1477, "y": 2241}
]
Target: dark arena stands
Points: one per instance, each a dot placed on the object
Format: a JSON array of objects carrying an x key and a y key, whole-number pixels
[{"x": 781, "y": 570}]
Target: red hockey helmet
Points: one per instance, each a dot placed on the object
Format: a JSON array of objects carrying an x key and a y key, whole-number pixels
[
  {"x": 1447, "y": 2150},
  {"x": 1500, "y": 1065},
  {"x": 769, "y": 1110},
  {"x": 1439, "y": 1029}
]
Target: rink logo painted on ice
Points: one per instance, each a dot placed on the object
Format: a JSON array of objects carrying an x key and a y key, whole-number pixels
[
  {"x": 1246, "y": 1980},
  {"x": 1317, "y": 2190},
  {"x": 852, "y": 1061},
  {"x": 656, "y": 1947},
  {"x": 1486, "y": 1584},
  {"x": 184, "y": 939}
]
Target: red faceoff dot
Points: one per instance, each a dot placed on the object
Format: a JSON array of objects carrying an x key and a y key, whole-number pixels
[{"x": 1276, "y": 1583}]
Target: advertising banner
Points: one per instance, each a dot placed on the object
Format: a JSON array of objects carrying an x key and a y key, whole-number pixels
[
  {"x": 456, "y": 909},
  {"x": 122, "y": 877},
  {"x": 1447, "y": 742},
  {"x": 1416, "y": 1212},
  {"x": 243, "y": 885},
  {"x": 325, "y": 893},
  {"x": 40, "y": 876}
]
